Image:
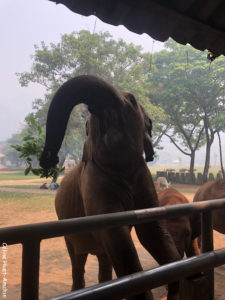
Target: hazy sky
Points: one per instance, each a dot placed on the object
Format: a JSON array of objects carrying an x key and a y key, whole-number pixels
[{"x": 24, "y": 23}]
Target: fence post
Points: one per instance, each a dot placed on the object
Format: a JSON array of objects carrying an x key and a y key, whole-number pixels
[
  {"x": 30, "y": 270},
  {"x": 207, "y": 245}
]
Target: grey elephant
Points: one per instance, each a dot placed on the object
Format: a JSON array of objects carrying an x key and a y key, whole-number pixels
[
  {"x": 112, "y": 177},
  {"x": 211, "y": 190},
  {"x": 183, "y": 229}
]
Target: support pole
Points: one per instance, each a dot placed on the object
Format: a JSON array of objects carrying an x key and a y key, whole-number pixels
[
  {"x": 30, "y": 270},
  {"x": 207, "y": 245}
]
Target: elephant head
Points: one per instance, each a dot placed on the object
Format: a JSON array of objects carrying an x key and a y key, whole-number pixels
[{"x": 119, "y": 129}]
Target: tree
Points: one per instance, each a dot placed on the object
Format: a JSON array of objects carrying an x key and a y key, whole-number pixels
[
  {"x": 85, "y": 53},
  {"x": 11, "y": 154},
  {"x": 31, "y": 150},
  {"x": 192, "y": 94},
  {"x": 220, "y": 124}
]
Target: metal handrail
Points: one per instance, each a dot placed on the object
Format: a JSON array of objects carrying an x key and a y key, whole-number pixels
[
  {"x": 45, "y": 230},
  {"x": 31, "y": 235},
  {"x": 141, "y": 281}
]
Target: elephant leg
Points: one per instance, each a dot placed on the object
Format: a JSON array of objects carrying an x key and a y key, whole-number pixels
[
  {"x": 78, "y": 266},
  {"x": 192, "y": 249},
  {"x": 105, "y": 268},
  {"x": 118, "y": 243},
  {"x": 158, "y": 242},
  {"x": 154, "y": 236}
]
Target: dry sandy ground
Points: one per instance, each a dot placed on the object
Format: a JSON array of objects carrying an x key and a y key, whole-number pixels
[{"x": 55, "y": 269}]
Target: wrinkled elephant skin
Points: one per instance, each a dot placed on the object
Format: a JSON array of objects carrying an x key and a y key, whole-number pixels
[{"x": 112, "y": 177}]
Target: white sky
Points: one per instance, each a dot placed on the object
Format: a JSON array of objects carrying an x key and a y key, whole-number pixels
[{"x": 24, "y": 23}]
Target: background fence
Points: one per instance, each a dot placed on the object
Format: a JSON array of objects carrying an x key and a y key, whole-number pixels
[{"x": 186, "y": 177}]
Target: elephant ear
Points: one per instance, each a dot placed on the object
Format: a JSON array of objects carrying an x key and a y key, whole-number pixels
[{"x": 148, "y": 148}]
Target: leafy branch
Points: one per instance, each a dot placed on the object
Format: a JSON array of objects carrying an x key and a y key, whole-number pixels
[{"x": 31, "y": 150}]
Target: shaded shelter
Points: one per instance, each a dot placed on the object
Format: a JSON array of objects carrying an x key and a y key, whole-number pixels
[{"x": 201, "y": 23}]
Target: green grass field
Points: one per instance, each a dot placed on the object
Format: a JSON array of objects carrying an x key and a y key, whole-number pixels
[
  {"x": 29, "y": 187},
  {"x": 15, "y": 175},
  {"x": 27, "y": 201}
]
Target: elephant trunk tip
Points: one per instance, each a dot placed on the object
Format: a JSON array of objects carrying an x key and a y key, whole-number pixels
[{"x": 48, "y": 159}]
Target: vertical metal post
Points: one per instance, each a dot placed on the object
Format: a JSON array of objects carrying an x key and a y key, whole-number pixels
[
  {"x": 207, "y": 245},
  {"x": 30, "y": 270}
]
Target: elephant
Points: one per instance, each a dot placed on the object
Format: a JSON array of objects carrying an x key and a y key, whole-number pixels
[
  {"x": 183, "y": 230},
  {"x": 112, "y": 177},
  {"x": 211, "y": 190}
]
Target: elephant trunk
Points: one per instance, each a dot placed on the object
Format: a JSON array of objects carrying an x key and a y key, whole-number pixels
[{"x": 90, "y": 90}]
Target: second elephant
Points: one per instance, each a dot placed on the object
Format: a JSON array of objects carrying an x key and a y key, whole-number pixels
[
  {"x": 211, "y": 190},
  {"x": 183, "y": 229}
]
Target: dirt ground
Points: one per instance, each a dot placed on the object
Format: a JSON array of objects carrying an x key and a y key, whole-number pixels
[{"x": 55, "y": 269}]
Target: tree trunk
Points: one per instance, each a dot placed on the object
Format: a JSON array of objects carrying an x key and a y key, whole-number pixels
[
  {"x": 207, "y": 162},
  {"x": 221, "y": 157},
  {"x": 192, "y": 162},
  {"x": 209, "y": 141}
]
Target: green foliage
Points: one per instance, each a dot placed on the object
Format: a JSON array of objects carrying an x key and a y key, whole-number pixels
[
  {"x": 191, "y": 92},
  {"x": 32, "y": 148},
  {"x": 80, "y": 53}
]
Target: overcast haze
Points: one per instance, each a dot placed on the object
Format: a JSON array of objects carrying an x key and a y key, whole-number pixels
[{"x": 24, "y": 23}]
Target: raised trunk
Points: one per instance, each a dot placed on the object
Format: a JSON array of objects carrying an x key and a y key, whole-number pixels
[
  {"x": 221, "y": 157},
  {"x": 93, "y": 91}
]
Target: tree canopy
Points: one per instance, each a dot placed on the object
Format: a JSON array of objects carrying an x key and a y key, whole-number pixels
[
  {"x": 98, "y": 54},
  {"x": 182, "y": 92},
  {"x": 191, "y": 92}
]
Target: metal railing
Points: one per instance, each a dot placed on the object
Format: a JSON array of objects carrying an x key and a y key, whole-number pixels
[
  {"x": 31, "y": 235},
  {"x": 139, "y": 282}
]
